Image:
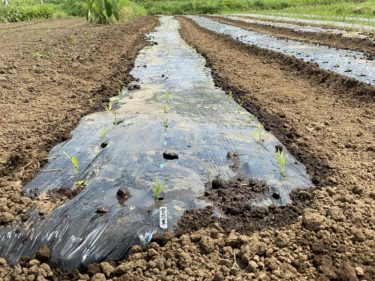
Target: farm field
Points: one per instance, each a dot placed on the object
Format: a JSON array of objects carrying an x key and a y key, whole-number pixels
[{"x": 187, "y": 147}]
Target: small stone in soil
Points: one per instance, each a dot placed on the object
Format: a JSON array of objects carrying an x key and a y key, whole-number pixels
[
  {"x": 44, "y": 253},
  {"x": 134, "y": 87},
  {"x": 170, "y": 155},
  {"x": 218, "y": 183}
]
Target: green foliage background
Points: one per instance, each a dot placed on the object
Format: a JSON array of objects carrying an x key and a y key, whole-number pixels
[
  {"x": 20, "y": 10},
  {"x": 23, "y": 10}
]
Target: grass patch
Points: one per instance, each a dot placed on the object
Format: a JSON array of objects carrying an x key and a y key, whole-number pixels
[{"x": 15, "y": 13}]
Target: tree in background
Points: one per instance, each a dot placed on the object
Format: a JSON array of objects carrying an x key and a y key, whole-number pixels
[{"x": 102, "y": 11}]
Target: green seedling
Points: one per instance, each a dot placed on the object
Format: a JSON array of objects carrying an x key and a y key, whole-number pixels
[
  {"x": 165, "y": 123},
  {"x": 157, "y": 188},
  {"x": 36, "y": 55},
  {"x": 165, "y": 109},
  {"x": 239, "y": 107},
  {"x": 121, "y": 93},
  {"x": 80, "y": 183},
  {"x": 261, "y": 132},
  {"x": 230, "y": 95},
  {"x": 167, "y": 97},
  {"x": 104, "y": 134},
  {"x": 108, "y": 107},
  {"x": 281, "y": 159},
  {"x": 251, "y": 118},
  {"x": 116, "y": 121},
  {"x": 49, "y": 55}
]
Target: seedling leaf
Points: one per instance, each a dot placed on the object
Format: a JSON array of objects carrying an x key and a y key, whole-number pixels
[
  {"x": 157, "y": 188},
  {"x": 281, "y": 159}
]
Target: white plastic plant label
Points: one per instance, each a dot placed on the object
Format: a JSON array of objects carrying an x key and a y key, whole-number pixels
[{"x": 163, "y": 217}]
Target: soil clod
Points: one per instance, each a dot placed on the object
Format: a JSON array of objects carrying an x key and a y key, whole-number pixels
[
  {"x": 170, "y": 155},
  {"x": 44, "y": 253},
  {"x": 123, "y": 193},
  {"x": 102, "y": 210}
]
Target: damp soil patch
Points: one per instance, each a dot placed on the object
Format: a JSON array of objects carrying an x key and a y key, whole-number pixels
[{"x": 234, "y": 209}]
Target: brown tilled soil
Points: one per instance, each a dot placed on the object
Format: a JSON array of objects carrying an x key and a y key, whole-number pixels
[
  {"x": 332, "y": 40},
  {"x": 51, "y": 74},
  {"x": 328, "y": 123}
]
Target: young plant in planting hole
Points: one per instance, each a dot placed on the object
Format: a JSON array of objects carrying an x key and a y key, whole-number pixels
[
  {"x": 230, "y": 95},
  {"x": 167, "y": 98},
  {"x": 104, "y": 134},
  {"x": 239, "y": 107},
  {"x": 251, "y": 118},
  {"x": 165, "y": 123},
  {"x": 80, "y": 183},
  {"x": 121, "y": 93},
  {"x": 165, "y": 109},
  {"x": 157, "y": 188},
  {"x": 261, "y": 132},
  {"x": 116, "y": 121},
  {"x": 281, "y": 159},
  {"x": 108, "y": 107}
]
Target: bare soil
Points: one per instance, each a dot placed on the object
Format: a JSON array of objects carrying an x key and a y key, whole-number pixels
[
  {"x": 51, "y": 74},
  {"x": 331, "y": 40}
]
